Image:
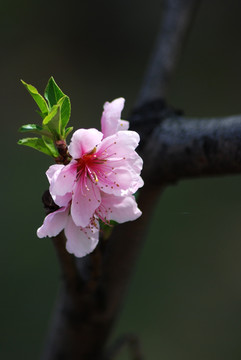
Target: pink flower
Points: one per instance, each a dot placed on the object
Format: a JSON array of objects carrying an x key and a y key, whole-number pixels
[
  {"x": 108, "y": 165},
  {"x": 98, "y": 182},
  {"x": 82, "y": 241}
]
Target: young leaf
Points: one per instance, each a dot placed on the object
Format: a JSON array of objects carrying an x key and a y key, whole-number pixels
[
  {"x": 40, "y": 130},
  {"x": 36, "y": 143},
  {"x": 37, "y": 98},
  {"x": 64, "y": 102},
  {"x": 68, "y": 131},
  {"x": 50, "y": 145},
  {"x": 53, "y": 93},
  {"x": 53, "y": 122},
  {"x": 41, "y": 114}
]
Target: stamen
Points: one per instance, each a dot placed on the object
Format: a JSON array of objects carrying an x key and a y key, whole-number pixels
[{"x": 94, "y": 166}]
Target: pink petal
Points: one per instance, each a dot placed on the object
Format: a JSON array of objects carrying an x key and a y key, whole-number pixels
[
  {"x": 53, "y": 223},
  {"x": 81, "y": 241},
  {"x": 111, "y": 115},
  {"x": 62, "y": 200},
  {"x": 123, "y": 125},
  {"x": 120, "y": 209},
  {"x": 136, "y": 184},
  {"x": 136, "y": 162},
  {"x": 53, "y": 170},
  {"x": 52, "y": 174},
  {"x": 116, "y": 181},
  {"x": 84, "y": 202},
  {"x": 119, "y": 174},
  {"x": 64, "y": 180},
  {"x": 83, "y": 141},
  {"x": 117, "y": 146}
]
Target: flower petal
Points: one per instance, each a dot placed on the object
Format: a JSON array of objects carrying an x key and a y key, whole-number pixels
[
  {"x": 53, "y": 223},
  {"x": 111, "y": 116},
  {"x": 116, "y": 181},
  {"x": 52, "y": 174},
  {"x": 121, "y": 167},
  {"x": 63, "y": 181},
  {"x": 62, "y": 200},
  {"x": 81, "y": 241},
  {"x": 53, "y": 170},
  {"x": 123, "y": 125},
  {"x": 83, "y": 141},
  {"x": 136, "y": 184},
  {"x": 84, "y": 202},
  {"x": 117, "y": 146},
  {"x": 120, "y": 209},
  {"x": 136, "y": 162}
]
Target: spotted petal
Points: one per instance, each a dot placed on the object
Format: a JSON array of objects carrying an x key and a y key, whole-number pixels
[
  {"x": 116, "y": 181},
  {"x": 117, "y": 146},
  {"x": 118, "y": 208},
  {"x": 64, "y": 180},
  {"x": 81, "y": 241},
  {"x": 86, "y": 198}
]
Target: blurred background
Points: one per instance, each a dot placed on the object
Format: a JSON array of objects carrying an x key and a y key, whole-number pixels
[{"x": 184, "y": 300}]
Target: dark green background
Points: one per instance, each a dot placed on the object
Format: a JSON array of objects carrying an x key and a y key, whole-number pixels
[{"x": 185, "y": 296}]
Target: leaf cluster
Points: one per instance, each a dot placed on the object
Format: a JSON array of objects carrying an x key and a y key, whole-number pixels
[{"x": 55, "y": 110}]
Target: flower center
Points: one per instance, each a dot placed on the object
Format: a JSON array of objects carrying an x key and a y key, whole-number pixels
[
  {"x": 85, "y": 165},
  {"x": 86, "y": 160},
  {"x": 94, "y": 166}
]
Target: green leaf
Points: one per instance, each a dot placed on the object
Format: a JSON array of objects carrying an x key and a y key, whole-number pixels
[
  {"x": 53, "y": 122},
  {"x": 41, "y": 114},
  {"x": 64, "y": 102},
  {"x": 37, "y": 98},
  {"x": 50, "y": 145},
  {"x": 53, "y": 93},
  {"x": 36, "y": 143},
  {"x": 40, "y": 130},
  {"x": 55, "y": 118},
  {"x": 68, "y": 131}
]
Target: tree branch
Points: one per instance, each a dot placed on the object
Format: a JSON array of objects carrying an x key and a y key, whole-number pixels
[
  {"x": 83, "y": 319},
  {"x": 69, "y": 272},
  {"x": 182, "y": 147},
  {"x": 177, "y": 18}
]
